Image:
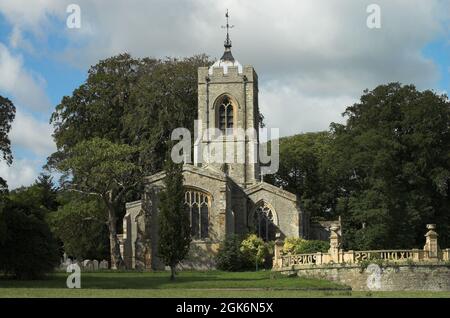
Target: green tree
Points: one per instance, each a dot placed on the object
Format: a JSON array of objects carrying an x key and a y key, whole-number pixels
[
  {"x": 307, "y": 169},
  {"x": 49, "y": 191},
  {"x": 174, "y": 224},
  {"x": 125, "y": 101},
  {"x": 27, "y": 247},
  {"x": 81, "y": 224},
  {"x": 162, "y": 99},
  {"x": 2, "y": 218},
  {"x": 393, "y": 157},
  {"x": 7, "y": 114},
  {"x": 103, "y": 169},
  {"x": 37, "y": 199},
  {"x": 133, "y": 101}
]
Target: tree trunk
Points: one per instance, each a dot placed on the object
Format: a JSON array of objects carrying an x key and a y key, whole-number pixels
[
  {"x": 172, "y": 272},
  {"x": 116, "y": 258}
]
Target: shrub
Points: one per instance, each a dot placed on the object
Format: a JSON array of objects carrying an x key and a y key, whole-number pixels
[
  {"x": 28, "y": 249},
  {"x": 229, "y": 257},
  {"x": 255, "y": 251},
  {"x": 314, "y": 246},
  {"x": 291, "y": 245},
  {"x": 295, "y": 245},
  {"x": 238, "y": 253}
]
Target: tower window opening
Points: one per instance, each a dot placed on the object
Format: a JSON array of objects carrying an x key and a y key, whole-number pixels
[{"x": 226, "y": 120}]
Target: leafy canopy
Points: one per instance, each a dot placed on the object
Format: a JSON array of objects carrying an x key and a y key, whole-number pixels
[
  {"x": 7, "y": 114},
  {"x": 80, "y": 223},
  {"x": 100, "y": 166},
  {"x": 394, "y": 151}
]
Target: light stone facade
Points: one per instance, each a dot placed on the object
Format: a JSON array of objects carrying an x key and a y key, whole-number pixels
[{"x": 222, "y": 199}]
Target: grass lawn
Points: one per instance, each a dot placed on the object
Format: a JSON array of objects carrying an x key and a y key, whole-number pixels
[{"x": 189, "y": 284}]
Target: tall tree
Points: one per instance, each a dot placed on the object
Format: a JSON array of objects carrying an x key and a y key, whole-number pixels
[
  {"x": 164, "y": 98},
  {"x": 394, "y": 151},
  {"x": 174, "y": 224},
  {"x": 27, "y": 246},
  {"x": 134, "y": 101},
  {"x": 7, "y": 114},
  {"x": 306, "y": 169},
  {"x": 101, "y": 168},
  {"x": 125, "y": 101},
  {"x": 49, "y": 191},
  {"x": 81, "y": 224},
  {"x": 28, "y": 250}
]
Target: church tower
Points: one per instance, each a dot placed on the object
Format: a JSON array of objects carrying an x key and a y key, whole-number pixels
[{"x": 228, "y": 117}]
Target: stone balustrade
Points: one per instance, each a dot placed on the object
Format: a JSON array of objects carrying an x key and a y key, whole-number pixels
[
  {"x": 430, "y": 253},
  {"x": 300, "y": 259}
]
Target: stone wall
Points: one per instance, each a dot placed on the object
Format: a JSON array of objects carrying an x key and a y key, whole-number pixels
[
  {"x": 429, "y": 277},
  {"x": 284, "y": 205},
  {"x": 382, "y": 270},
  {"x": 201, "y": 256}
]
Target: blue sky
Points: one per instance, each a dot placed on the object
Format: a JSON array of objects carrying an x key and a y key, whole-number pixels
[
  {"x": 313, "y": 59},
  {"x": 439, "y": 52}
]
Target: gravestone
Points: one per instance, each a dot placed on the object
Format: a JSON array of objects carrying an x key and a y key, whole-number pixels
[
  {"x": 87, "y": 265},
  {"x": 65, "y": 262},
  {"x": 103, "y": 265}
]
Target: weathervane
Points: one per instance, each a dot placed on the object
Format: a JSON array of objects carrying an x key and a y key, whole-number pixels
[{"x": 228, "y": 26}]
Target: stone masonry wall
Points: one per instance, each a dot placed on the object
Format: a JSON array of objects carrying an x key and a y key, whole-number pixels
[{"x": 429, "y": 277}]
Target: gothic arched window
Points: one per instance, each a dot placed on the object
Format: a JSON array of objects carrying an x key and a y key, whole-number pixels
[
  {"x": 197, "y": 206},
  {"x": 226, "y": 120},
  {"x": 263, "y": 222}
]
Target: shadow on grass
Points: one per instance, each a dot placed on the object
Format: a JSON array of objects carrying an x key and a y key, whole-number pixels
[{"x": 184, "y": 280}]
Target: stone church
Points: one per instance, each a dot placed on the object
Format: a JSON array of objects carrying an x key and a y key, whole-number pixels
[{"x": 221, "y": 199}]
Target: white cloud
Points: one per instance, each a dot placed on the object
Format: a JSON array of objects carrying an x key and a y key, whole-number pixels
[
  {"x": 31, "y": 134},
  {"x": 313, "y": 57},
  {"x": 22, "y": 172},
  {"x": 293, "y": 112},
  {"x": 33, "y": 16},
  {"x": 25, "y": 88}
]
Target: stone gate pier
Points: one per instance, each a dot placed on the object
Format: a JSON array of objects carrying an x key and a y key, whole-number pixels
[{"x": 373, "y": 270}]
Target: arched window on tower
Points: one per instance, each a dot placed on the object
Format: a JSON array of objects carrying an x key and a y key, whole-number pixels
[
  {"x": 226, "y": 120},
  {"x": 263, "y": 222},
  {"x": 197, "y": 205}
]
